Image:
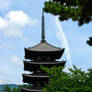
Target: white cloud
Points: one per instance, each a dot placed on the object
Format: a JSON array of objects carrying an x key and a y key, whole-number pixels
[
  {"x": 2, "y": 23},
  {"x": 20, "y": 18},
  {"x": 16, "y": 60},
  {"x": 5, "y": 4},
  {"x": 13, "y": 23}
]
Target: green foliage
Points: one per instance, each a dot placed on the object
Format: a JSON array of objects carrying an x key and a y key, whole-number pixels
[
  {"x": 60, "y": 81},
  {"x": 15, "y": 89},
  {"x": 78, "y": 10},
  {"x": 74, "y": 81},
  {"x": 6, "y": 89}
]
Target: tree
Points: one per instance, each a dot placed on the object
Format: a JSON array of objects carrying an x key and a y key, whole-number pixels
[
  {"x": 15, "y": 89},
  {"x": 58, "y": 80},
  {"x": 6, "y": 89},
  {"x": 74, "y": 81},
  {"x": 77, "y": 10}
]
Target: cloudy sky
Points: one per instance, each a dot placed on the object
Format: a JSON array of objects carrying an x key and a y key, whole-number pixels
[{"x": 20, "y": 26}]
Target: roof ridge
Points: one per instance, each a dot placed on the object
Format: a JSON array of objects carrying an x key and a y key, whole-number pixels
[
  {"x": 53, "y": 45},
  {"x": 34, "y": 46},
  {"x": 44, "y": 47}
]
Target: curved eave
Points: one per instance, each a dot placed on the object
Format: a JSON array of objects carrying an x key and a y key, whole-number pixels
[
  {"x": 33, "y": 66},
  {"x": 30, "y": 90},
  {"x": 27, "y": 78},
  {"x": 30, "y": 54}
]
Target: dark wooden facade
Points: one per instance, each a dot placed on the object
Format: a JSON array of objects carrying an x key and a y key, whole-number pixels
[{"x": 43, "y": 54}]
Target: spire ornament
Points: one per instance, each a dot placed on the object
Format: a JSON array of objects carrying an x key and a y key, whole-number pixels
[{"x": 43, "y": 28}]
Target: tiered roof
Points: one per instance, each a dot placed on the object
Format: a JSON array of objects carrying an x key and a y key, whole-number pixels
[{"x": 43, "y": 54}]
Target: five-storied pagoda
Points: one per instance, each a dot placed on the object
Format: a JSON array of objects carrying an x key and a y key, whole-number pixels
[{"x": 43, "y": 54}]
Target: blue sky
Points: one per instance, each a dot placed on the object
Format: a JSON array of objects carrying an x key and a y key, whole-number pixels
[{"x": 20, "y": 26}]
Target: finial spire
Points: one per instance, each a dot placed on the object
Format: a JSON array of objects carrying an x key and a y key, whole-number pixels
[{"x": 43, "y": 28}]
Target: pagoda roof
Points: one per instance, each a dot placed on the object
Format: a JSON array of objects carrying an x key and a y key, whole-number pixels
[
  {"x": 44, "y": 47},
  {"x": 28, "y": 78},
  {"x": 36, "y": 76},
  {"x": 35, "y": 66},
  {"x": 44, "y": 63},
  {"x": 31, "y": 90}
]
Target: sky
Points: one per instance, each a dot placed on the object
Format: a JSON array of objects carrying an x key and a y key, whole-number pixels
[{"x": 20, "y": 27}]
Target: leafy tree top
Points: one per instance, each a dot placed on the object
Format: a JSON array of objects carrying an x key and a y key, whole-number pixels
[
  {"x": 74, "y": 81},
  {"x": 78, "y": 10}
]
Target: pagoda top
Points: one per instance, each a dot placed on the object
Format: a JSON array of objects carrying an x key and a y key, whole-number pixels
[
  {"x": 43, "y": 28},
  {"x": 43, "y": 45},
  {"x": 43, "y": 49}
]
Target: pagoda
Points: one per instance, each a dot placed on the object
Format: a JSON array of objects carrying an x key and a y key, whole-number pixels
[{"x": 43, "y": 54}]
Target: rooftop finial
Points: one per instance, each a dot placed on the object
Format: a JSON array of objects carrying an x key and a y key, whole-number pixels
[{"x": 43, "y": 28}]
